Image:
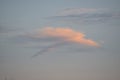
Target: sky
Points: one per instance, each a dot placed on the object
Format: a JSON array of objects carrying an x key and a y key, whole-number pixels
[{"x": 59, "y": 40}]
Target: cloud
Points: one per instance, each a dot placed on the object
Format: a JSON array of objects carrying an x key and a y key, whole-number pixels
[
  {"x": 60, "y": 36},
  {"x": 49, "y": 38},
  {"x": 9, "y": 31},
  {"x": 86, "y": 15},
  {"x": 64, "y": 34},
  {"x": 75, "y": 11},
  {"x": 49, "y": 48}
]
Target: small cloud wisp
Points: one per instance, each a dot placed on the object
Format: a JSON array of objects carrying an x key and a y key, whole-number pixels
[
  {"x": 49, "y": 48},
  {"x": 86, "y": 15}
]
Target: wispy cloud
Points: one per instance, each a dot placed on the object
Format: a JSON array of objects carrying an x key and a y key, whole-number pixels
[
  {"x": 86, "y": 15},
  {"x": 64, "y": 34},
  {"x": 75, "y": 11},
  {"x": 60, "y": 36},
  {"x": 48, "y": 38},
  {"x": 8, "y": 31},
  {"x": 49, "y": 48}
]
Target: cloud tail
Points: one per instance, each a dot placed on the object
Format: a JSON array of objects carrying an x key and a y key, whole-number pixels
[{"x": 49, "y": 48}]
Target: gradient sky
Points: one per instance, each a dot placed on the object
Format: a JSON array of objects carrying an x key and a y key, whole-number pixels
[{"x": 23, "y": 33}]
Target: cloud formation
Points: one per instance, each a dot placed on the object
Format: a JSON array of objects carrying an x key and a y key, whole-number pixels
[
  {"x": 8, "y": 31},
  {"x": 49, "y": 48},
  {"x": 59, "y": 36},
  {"x": 65, "y": 34},
  {"x": 75, "y": 11},
  {"x": 86, "y": 15}
]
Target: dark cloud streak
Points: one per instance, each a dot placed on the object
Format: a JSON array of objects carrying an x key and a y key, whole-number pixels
[
  {"x": 49, "y": 48},
  {"x": 86, "y": 15}
]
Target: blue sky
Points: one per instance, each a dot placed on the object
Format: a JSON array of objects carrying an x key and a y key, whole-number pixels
[{"x": 29, "y": 27}]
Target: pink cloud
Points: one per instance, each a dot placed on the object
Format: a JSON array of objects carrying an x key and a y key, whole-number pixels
[{"x": 66, "y": 34}]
